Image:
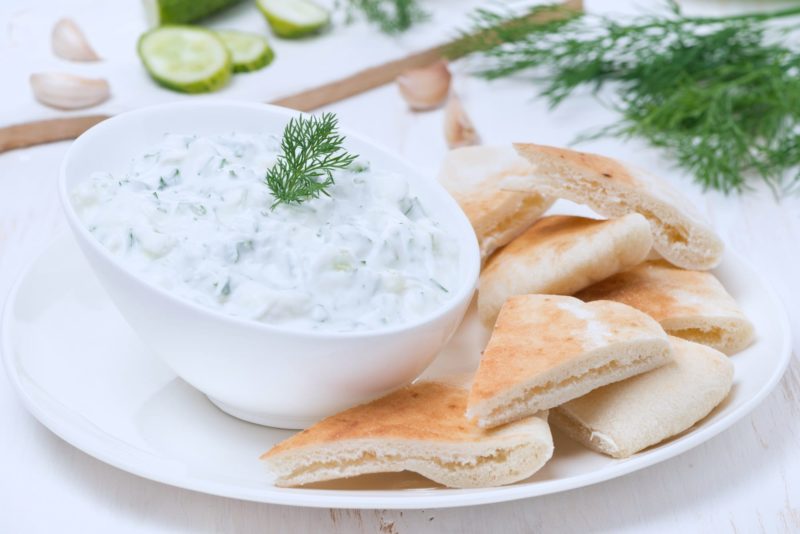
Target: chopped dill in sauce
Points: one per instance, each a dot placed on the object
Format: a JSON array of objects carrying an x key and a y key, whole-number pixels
[{"x": 189, "y": 216}]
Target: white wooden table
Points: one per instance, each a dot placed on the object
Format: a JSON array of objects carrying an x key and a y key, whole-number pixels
[{"x": 745, "y": 480}]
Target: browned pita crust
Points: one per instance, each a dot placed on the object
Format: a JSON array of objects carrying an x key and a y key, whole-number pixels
[
  {"x": 546, "y": 350},
  {"x": 419, "y": 428},
  {"x": 688, "y": 304},
  {"x": 429, "y": 411},
  {"x": 612, "y": 188},
  {"x": 561, "y": 254},
  {"x": 473, "y": 176}
]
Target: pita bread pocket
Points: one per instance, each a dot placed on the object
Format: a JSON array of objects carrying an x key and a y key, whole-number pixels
[
  {"x": 613, "y": 189},
  {"x": 689, "y": 304},
  {"x": 625, "y": 417},
  {"x": 418, "y": 428},
  {"x": 561, "y": 255},
  {"x": 473, "y": 176},
  {"x": 546, "y": 350}
]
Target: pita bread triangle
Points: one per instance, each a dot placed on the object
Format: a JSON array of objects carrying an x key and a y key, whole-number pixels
[
  {"x": 472, "y": 175},
  {"x": 689, "y": 304},
  {"x": 560, "y": 255},
  {"x": 612, "y": 188},
  {"x": 546, "y": 350},
  {"x": 420, "y": 428},
  {"x": 625, "y": 417}
]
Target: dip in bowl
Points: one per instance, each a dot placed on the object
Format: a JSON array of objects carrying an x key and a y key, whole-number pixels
[{"x": 280, "y": 314}]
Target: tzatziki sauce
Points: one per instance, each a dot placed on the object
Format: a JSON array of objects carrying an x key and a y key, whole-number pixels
[{"x": 195, "y": 217}]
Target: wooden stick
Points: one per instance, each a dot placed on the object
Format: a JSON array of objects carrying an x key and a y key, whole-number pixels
[
  {"x": 374, "y": 77},
  {"x": 46, "y": 131},
  {"x": 51, "y": 130},
  {"x": 358, "y": 83}
]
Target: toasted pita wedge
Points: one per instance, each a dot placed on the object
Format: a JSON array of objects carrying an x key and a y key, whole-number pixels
[
  {"x": 560, "y": 255},
  {"x": 613, "y": 189},
  {"x": 626, "y": 417},
  {"x": 688, "y": 304},
  {"x": 546, "y": 350},
  {"x": 473, "y": 176},
  {"x": 419, "y": 428}
]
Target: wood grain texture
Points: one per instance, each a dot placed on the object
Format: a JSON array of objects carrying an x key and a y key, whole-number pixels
[
  {"x": 60, "y": 129},
  {"x": 374, "y": 77},
  {"x": 358, "y": 83},
  {"x": 46, "y": 131}
]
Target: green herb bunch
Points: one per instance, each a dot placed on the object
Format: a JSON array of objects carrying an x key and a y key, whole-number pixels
[
  {"x": 311, "y": 149},
  {"x": 391, "y": 16},
  {"x": 720, "y": 95}
]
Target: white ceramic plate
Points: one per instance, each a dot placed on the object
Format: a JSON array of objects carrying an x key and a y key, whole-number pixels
[{"x": 83, "y": 373}]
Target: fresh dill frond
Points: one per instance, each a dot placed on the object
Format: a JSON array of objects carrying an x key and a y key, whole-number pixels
[
  {"x": 391, "y": 16},
  {"x": 720, "y": 95},
  {"x": 311, "y": 149}
]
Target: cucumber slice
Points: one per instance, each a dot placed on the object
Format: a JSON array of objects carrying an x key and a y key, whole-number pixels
[
  {"x": 248, "y": 51},
  {"x": 186, "y": 58},
  {"x": 293, "y": 18},
  {"x": 178, "y": 11}
]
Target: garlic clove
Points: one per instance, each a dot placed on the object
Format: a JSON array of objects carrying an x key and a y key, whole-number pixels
[
  {"x": 425, "y": 88},
  {"x": 66, "y": 91},
  {"x": 458, "y": 128},
  {"x": 69, "y": 42}
]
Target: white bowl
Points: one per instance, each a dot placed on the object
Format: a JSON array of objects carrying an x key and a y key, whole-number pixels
[{"x": 258, "y": 372}]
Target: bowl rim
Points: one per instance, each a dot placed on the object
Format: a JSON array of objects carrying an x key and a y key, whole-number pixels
[{"x": 461, "y": 223}]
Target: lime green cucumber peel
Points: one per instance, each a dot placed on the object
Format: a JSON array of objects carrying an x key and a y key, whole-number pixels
[
  {"x": 181, "y": 11},
  {"x": 186, "y": 58},
  {"x": 249, "y": 52},
  {"x": 292, "y": 19}
]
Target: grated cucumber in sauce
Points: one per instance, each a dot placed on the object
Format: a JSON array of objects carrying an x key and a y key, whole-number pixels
[{"x": 193, "y": 216}]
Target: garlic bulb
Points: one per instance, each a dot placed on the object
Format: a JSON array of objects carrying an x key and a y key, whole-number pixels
[
  {"x": 458, "y": 128},
  {"x": 69, "y": 42},
  {"x": 425, "y": 88},
  {"x": 66, "y": 91}
]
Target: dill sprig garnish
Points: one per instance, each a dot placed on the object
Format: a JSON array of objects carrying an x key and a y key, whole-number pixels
[
  {"x": 720, "y": 94},
  {"x": 391, "y": 16},
  {"x": 311, "y": 149}
]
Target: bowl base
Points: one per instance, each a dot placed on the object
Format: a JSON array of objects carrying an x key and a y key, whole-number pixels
[{"x": 274, "y": 421}]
